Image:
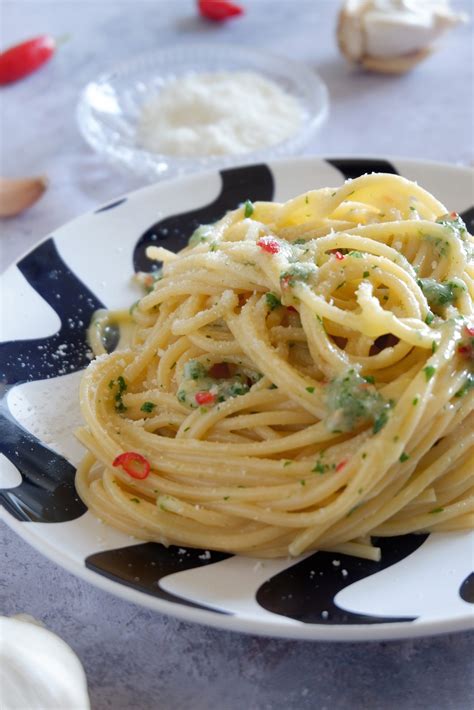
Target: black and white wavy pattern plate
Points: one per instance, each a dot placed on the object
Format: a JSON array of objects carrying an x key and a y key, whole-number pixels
[{"x": 424, "y": 584}]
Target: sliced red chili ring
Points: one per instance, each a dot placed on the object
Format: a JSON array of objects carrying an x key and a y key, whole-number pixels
[{"x": 136, "y": 465}]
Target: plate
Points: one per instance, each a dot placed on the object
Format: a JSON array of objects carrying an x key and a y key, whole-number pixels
[
  {"x": 109, "y": 107},
  {"x": 424, "y": 584}
]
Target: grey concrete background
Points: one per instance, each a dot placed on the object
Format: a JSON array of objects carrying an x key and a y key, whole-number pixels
[{"x": 134, "y": 658}]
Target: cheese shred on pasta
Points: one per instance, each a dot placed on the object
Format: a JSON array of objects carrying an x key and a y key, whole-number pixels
[{"x": 298, "y": 378}]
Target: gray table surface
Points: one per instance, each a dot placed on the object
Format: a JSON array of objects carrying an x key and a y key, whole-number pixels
[{"x": 135, "y": 658}]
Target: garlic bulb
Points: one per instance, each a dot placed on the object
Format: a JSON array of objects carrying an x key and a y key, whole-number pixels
[
  {"x": 392, "y": 35},
  {"x": 37, "y": 669}
]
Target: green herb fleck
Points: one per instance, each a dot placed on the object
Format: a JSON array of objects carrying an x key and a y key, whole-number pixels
[
  {"x": 248, "y": 208},
  {"x": 366, "y": 274},
  {"x": 441, "y": 293},
  {"x": 147, "y": 407},
  {"x": 415, "y": 401},
  {"x": 429, "y": 371},
  {"x": 310, "y": 390},
  {"x": 429, "y": 318},
  {"x": 272, "y": 301},
  {"x": 434, "y": 346},
  {"x": 436, "y": 510},
  {"x": 303, "y": 482},
  {"x": 287, "y": 463},
  {"x": 404, "y": 457},
  {"x": 380, "y": 422},
  {"x": 134, "y": 500}
]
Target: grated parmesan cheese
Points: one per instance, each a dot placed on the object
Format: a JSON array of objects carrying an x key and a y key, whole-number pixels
[{"x": 224, "y": 113}]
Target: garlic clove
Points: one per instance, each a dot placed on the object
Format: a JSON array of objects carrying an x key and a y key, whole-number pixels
[
  {"x": 392, "y": 36},
  {"x": 17, "y": 194},
  {"x": 395, "y": 65},
  {"x": 37, "y": 669}
]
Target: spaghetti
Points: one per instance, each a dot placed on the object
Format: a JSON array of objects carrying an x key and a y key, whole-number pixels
[{"x": 298, "y": 378}]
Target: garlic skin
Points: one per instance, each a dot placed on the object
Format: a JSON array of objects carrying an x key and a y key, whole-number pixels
[
  {"x": 18, "y": 194},
  {"x": 393, "y": 35},
  {"x": 37, "y": 669}
]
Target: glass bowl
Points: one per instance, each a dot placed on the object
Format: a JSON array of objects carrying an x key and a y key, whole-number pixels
[{"x": 109, "y": 108}]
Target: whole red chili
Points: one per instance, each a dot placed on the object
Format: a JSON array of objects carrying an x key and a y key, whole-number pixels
[
  {"x": 204, "y": 397},
  {"x": 269, "y": 245},
  {"x": 218, "y": 10},
  {"x": 25, "y": 58},
  {"x": 136, "y": 465}
]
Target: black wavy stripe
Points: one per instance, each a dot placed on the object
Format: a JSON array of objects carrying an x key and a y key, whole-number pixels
[
  {"x": 142, "y": 566},
  {"x": 466, "y": 590},
  {"x": 253, "y": 182},
  {"x": 306, "y": 591},
  {"x": 352, "y": 168},
  {"x": 111, "y": 206},
  {"x": 47, "y": 492},
  {"x": 468, "y": 217}
]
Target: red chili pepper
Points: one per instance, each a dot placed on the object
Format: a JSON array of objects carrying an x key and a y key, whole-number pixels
[
  {"x": 341, "y": 465},
  {"x": 220, "y": 370},
  {"x": 204, "y": 397},
  {"x": 25, "y": 58},
  {"x": 470, "y": 331},
  {"x": 339, "y": 256},
  {"x": 464, "y": 349},
  {"x": 269, "y": 245},
  {"x": 134, "y": 464},
  {"x": 285, "y": 282},
  {"x": 453, "y": 215},
  {"x": 218, "y": 10}
]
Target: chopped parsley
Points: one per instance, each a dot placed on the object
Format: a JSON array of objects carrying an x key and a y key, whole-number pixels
[
  {"x": 351, "y": 401},
  {"x": 248, "y": 208},
  {"x": 440, "y": 293},
  {"x": 366, "y": 274},
  {"x": 468, "y": 385},
  {"x": 436, "y": 510},
  {"x": 194, "y": 370},
  {"x": 404, "y": 457},
  {"x": 147, "y": 407},
  {"x": 429, "y": 318},
  {"x": 121, "y": 387},
  {"x": 429, "y": 371},
  {"x": 272, "y": 301},
  {"x": 310, "y": 390},
  {"x": 297, "y": 272}
]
